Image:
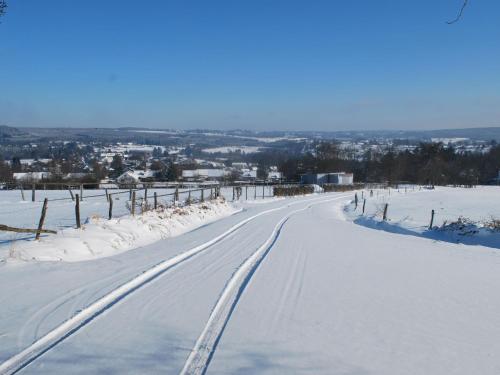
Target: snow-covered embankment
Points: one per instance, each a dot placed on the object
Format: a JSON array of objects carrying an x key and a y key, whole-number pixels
[{"x": 103, "y": 238}]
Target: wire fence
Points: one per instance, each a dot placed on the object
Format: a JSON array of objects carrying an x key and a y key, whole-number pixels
[
  {"x": 75, "y": 207},
  {"x": 428, "y": 212}
]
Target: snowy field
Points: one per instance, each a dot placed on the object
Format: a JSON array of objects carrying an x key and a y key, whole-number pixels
[
  {"x": 229, "y": 149},
  {"x": 409, "y": 212},
  {"x": 287, "y": 286}
]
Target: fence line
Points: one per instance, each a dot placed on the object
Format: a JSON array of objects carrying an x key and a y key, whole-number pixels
[{"x": 78, "y": 211}]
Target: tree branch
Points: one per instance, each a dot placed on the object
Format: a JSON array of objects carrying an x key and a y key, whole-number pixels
[
  {"x": 3, "y": 6},
  {"x": 459, "y": 13}
]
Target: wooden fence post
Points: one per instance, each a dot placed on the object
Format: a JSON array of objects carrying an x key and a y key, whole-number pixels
[
  {"x": 233, "y": 193},
  {"x": 176, "y": 195},
  {"x": 42, "y": 218},
  {"x": 384, "y": 218},
  {"x": 33, "y": 192},
  {"x": 71, "y": 193},
  {"x": 133, "y": 203},
  {"x": 364, "y": 203},
  {"x": 146, "y": 195},
  {"x": 22, "y": 192},
  {"x": 129, "y": 194},
  {"x": 432, "y": 219},
  {"x": 189, "y": 197},
  {"x": 355, "y": 200},
  {"x": 77, "y": 211},
  {"x": 202, "y": 195},
  {"x": 107, "y": 195},
  {"x": 263, "y": 186},
  {"x": 110, "y": 200},
  {"x": 246, "y": 192},
  {"x": 81, "y": 192}
]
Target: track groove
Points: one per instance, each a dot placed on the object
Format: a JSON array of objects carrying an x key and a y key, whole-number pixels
[{"x": 200, "y": 356}]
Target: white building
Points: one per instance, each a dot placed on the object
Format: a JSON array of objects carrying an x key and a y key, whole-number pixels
[
  {"x": 203, "y": 174},
  {"x": 274, "y": 175},
  {"x": 134, "y": 176},
  {"x": 31, "y": 176},
  {"x": 249, "y": 175},
  {"x": 337, "y": 178}
]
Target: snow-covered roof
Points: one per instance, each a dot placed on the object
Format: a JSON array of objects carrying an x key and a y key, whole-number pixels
[
  {"x": 203, "y": 173},
  {"x": 135, "y": 175},
  {"x": 36, "y": 176}
]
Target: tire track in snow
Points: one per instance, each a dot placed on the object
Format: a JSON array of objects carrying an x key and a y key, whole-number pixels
[
  {"x": 46, "y": 310},
  {"x": 199, "y": 359},
  {"x": 89, "y": 313}
]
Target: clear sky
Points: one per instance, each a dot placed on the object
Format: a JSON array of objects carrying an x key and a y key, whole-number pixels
[{"x": 256, "y": 64}]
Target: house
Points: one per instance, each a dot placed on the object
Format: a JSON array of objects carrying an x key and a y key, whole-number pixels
[
  {"x": 274, "y": 175},
  {"x": 135, "y": 176},
  {"x": 239, "y": 166},
  {"x": 337, "y": 178},
  {"x": 203, "y": 174},
  {"x": 75, "y": 176},
  {"x": 249, "y": 174},
  {"x": 31, "y": 176}
]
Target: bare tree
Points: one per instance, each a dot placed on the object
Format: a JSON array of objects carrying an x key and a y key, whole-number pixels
[
  {"x": 460, "y": 13},
  {"x": 3, "y": 6}
]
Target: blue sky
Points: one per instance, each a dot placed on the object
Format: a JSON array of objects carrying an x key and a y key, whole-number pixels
[{"x": 259, "y": 64}]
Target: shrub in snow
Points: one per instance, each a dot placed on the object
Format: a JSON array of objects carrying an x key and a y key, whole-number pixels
[{"x": 464, "y": 226}]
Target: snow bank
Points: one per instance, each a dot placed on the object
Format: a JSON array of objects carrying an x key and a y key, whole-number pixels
[
  {"x": 318, "y": 189},
  {"x": 103, "y": 238}
]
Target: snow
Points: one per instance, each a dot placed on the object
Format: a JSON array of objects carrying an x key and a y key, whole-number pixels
[
  {"x": 290, "y": 285},
  {"x": 317, "y": 188},
  {"x": 199, "y": 358},
  {"x": 259, "y": 139},
  {"x": 82, "y": 317},
  {"x": 409, "y": 212},
  {"x": 449, "y": 140},
  {"x": 103, "y": 238},
  {"x": 344, "y": 299},
  {"x": 228, "y": 149},
  {"x": 61, "y": 209}
]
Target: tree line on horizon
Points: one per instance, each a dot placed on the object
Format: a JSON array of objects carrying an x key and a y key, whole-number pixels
[{"x": 428, "y": 163}]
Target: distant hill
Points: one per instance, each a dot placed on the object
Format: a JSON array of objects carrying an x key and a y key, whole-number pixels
[
  {"x": 8, "y": 133},
  {"x": 168, "y": 136},
  {"x": 481, "y": 134}
]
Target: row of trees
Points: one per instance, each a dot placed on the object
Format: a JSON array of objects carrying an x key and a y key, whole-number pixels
[{"x": 429, "y": 163}]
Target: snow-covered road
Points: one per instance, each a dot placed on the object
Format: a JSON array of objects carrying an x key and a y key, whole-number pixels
[
  {"x": 296, "y": 289},
  {"x": 50, "y": 293}
]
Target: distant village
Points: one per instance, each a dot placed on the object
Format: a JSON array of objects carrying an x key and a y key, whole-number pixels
[
  {"x": 129, "y": 163},
  {"x": 208, "y": 157}
]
